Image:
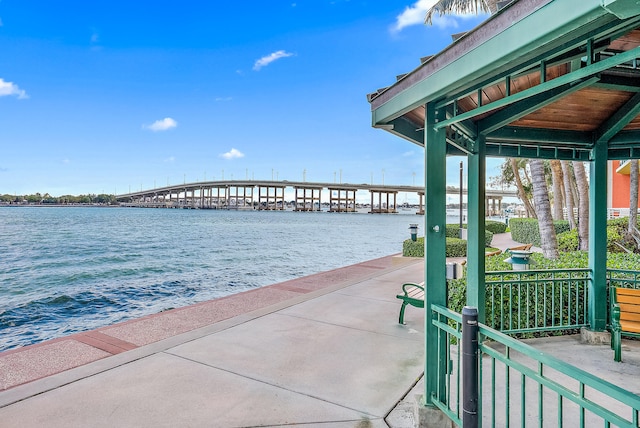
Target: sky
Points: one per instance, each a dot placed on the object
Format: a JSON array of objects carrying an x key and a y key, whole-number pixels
[{"x": 117, "y": 96}]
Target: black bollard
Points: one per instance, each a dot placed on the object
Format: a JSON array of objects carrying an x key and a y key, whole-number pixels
[{"x": 469, "y": 367}]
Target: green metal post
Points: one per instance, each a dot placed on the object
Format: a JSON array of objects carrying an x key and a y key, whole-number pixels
[
  {"x": 598, "y": 237},
  {"x": 435, "y": 257},
  {"x": 475, "y": 228}
]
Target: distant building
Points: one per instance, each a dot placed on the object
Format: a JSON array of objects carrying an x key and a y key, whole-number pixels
[{"x": 619, "y": 188}]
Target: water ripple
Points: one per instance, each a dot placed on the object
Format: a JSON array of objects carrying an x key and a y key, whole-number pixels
[{"x": 65, "y": 270}]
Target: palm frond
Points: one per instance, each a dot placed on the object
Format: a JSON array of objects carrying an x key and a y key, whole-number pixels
[{"x": 448, "y": 7}]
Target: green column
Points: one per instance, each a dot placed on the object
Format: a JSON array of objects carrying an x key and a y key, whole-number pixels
[
  {"x": 475, "y": 228},
  {"x": 598, "y": 237},
  {"x": 435, "y": 242}
]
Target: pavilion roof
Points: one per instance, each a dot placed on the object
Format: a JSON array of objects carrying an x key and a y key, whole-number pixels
[{"x": 540, "y": 78}]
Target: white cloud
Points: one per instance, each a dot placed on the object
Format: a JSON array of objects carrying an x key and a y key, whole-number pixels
[
  {"x": 221, "y": 99},
  {"x": 162, "y": 125},
  {"x": 232, "y": 154},
  {"x": 66, "y": 161},
  {"x": 415, "y": 14},
  {"x": 170, "y": 159},
  {"x": 268, "y": 59},
  {"x": 10, "y": 88}
]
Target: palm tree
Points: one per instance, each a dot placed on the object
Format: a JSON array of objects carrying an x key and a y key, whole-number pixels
[
  {"x": 556, "y": 181},
  {"x": 567, "y": 174},
  {"x": 520, "y": 186},
  {"x": 448, "y": 7},
  {"x": 632, "y": 231},
  {"x": 583, "y": 205},
  {"x": 548, "y": 240}
]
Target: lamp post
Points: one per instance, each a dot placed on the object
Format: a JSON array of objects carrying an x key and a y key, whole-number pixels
[{"x": 413, "y": 229}]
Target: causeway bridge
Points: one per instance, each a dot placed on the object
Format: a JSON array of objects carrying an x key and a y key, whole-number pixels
[{"x": 270, "y": 195}]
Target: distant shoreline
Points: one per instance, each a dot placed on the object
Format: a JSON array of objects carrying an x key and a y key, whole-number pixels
[{"x": 7, "y": 204}]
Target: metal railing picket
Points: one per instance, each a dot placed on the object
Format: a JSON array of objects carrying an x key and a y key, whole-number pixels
[{"x": 580, "y": 396}]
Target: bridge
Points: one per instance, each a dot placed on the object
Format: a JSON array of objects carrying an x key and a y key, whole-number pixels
[{"x": 270, "y": 195}]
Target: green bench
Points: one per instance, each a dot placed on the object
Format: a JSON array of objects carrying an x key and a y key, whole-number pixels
[
  {"x": 413, "y": 294},
  {"x": 625, "y": 318}
]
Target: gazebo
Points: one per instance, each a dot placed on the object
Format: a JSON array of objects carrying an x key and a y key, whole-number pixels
[{"x": 551, "y": 79}]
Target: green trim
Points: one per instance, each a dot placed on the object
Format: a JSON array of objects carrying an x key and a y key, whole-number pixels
[
  {"x": 407, "y": 130},
  {"x": 598, "y": 237},
  {"x": 435, "y": 247},
  {"x": 476, "y": 183},
  {"x": 619, "y": 120},
  {"x": 545, "y": 27}
]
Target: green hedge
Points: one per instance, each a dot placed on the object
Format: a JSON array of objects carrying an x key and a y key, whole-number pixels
[
  {"x": 453, "y": 230},
  {"x": 525, "y": 230},
  {"x": 413, "y": 248},
  {"x": 495, "y": 226},
  {"x": 456, "y": 247},
  {"x": 616, "y": 229},
  {"x": 488, "y": 237},
  {"x": 574, "y": 259}
]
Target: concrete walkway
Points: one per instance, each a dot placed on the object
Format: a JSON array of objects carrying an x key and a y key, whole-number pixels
[
  {"x": 319, "y": 351},
  {"x": 332, "y": 356}
]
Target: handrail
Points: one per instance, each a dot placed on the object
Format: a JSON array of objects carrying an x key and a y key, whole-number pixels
[
  {"x": 593, "y": 397},
  {"x": 537, "y": 300}
]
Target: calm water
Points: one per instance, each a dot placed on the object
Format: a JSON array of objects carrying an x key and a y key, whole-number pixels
[{"x": 64, "y": 270}]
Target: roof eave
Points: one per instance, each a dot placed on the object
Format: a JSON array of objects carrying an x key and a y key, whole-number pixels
[{"x": 495, "y": 44}]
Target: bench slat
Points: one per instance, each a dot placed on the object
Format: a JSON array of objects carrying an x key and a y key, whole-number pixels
[
  {"x": 629, "y": 316},
  {"x": 634, "y": 292},
  {"x": 629, "y": 308},
  {"x": 627, "y": 320},
  {"x": 630, "y": 327}
]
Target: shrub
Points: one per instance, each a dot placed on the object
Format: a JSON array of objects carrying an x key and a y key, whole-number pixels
[
  {"x": 413, "y": 248},
  {"x": 561, "y": 226},
  {"x": 488, "y": 237},
  {"x": 456, "y": 247},
  {"x": 453, "y": 230},
  {"x": 568, "y": 241},
  {"x": 495, "y": 226},
  {"x": 525, "y": 230}
]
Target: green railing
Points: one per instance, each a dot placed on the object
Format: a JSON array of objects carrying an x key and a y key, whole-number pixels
[
  {"x": 537, "y": 300},
  {"x": 620, "y": 278},
  {"x": 623, "y": 278},
  {"x": 449, "y": 324},
  {"x": 521, "y": 386}
]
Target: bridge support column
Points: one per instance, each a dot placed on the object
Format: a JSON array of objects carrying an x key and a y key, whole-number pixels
[
  {"x": 338, "y": 195},
  {"x": 313, "y": 198},
  {"x": 388, "y": 207},
  {"x": 273, "y": 194}
]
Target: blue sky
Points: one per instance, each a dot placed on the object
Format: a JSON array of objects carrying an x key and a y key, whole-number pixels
[{"x": 103, "y": 97}]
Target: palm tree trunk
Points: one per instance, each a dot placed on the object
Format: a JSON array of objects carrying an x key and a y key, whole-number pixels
[
  {"x": 583, "y": 205},
  {"x": 568, "y": 193},
  {"x": 556, "y": 179},
  {"x": 548, "y": 240},
  {"x": 633, "y": 197},
  {"x": 521, "y": 192}
]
